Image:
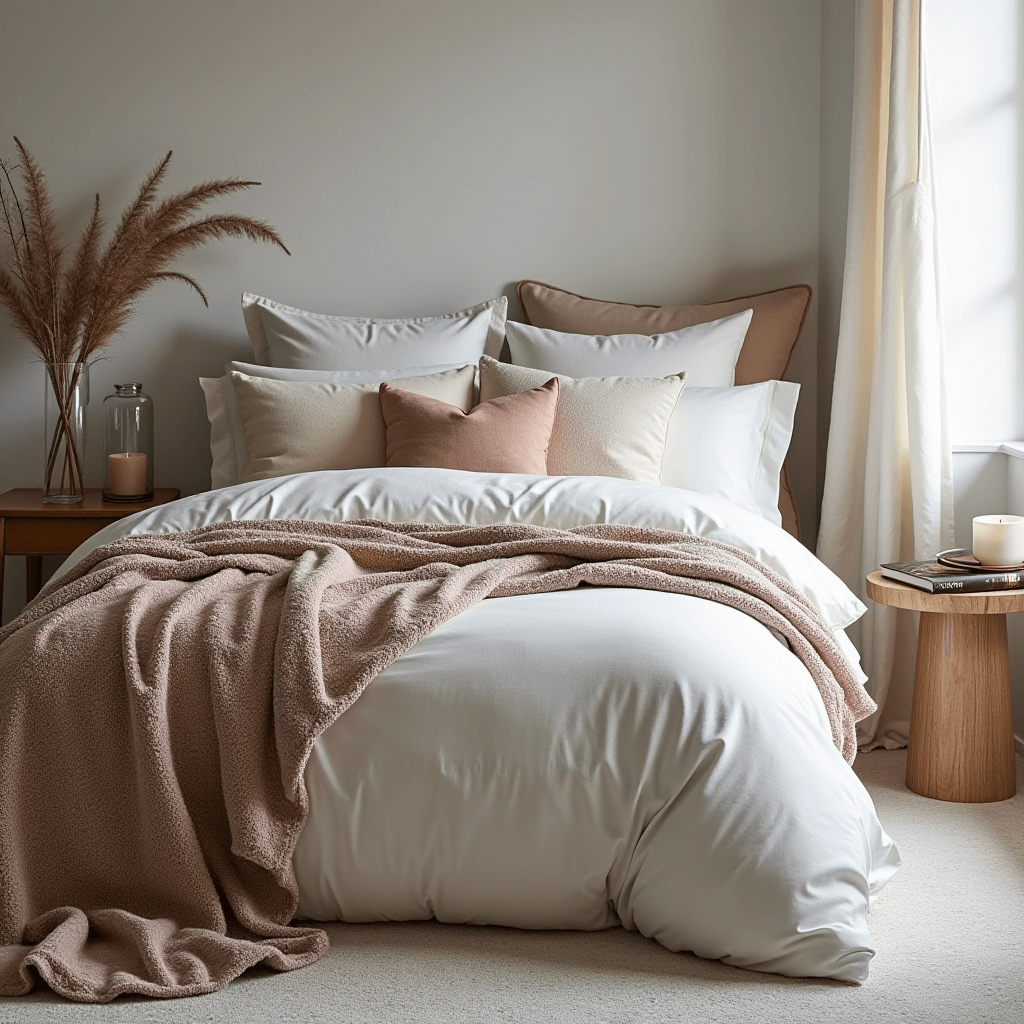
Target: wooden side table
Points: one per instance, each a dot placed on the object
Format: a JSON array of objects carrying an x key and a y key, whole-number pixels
[
  {"x": 31, "y": 528},
  {"x": 961, "y": 723}
]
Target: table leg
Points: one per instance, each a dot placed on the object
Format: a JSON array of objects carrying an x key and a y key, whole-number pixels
[
  {"x": 961, "y": 726},
  {"x": 33, "y": 575},
  {"x": 1, "y": 570}
]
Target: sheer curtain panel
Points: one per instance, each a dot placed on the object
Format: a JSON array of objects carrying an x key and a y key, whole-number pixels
[{"x": 888, "y": 481}]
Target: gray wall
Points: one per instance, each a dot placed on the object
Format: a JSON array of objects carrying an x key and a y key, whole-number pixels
[
  {"x": 419, "y": 157},
  {"x": 838, "y": 27}
]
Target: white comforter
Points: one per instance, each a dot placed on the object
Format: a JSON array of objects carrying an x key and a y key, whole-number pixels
[{"x": 585, "y": 758}]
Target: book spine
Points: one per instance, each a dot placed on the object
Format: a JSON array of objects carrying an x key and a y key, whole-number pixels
[{"x": 979, "y": 584}]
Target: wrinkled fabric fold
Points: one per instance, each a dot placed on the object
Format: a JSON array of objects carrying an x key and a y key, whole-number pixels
[{"x": 160, "y": 700}]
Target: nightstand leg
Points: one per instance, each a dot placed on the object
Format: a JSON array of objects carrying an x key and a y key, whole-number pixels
[
  {"x": 33, "y": 575},
  {"x": 961, "y": 726}
]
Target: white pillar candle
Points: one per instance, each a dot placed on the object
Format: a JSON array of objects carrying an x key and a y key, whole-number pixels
[
  {"x": 127, "y": 472},
  {"x": 999, "y": 540}
]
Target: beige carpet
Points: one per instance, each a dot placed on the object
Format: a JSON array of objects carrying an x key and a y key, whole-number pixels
[{"x": 949, "y": 930}]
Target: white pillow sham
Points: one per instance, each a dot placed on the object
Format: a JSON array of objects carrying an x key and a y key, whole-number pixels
[
  {"x": 227, "y": 441},
  {"x": 224, "y": 461},
  {"x": 731, "y": 442},
  {"x": 336, "y": 376},
  {"x": 302, "y": 426},
  {"x": 287, "y": 337},
  {"x": 707, "y": 352},
  {"x": 604, "y": 426}
]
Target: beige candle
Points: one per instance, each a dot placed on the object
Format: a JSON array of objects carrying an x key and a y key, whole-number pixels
[
  {"x": 999, "y": 540},
  {"x": 127, "y": 471}
]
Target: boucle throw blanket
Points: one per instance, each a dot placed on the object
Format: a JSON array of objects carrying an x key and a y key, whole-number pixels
[{"x": 158, "y": 704}]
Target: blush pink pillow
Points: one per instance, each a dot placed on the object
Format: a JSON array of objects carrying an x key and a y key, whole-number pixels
[{"x": 505, "y": 435}]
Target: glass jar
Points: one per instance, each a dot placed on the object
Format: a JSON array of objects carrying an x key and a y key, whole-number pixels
[{"x": 128, "y": 444}]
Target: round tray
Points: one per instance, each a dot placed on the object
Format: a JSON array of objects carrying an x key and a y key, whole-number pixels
[{"x": 961, "y": 558}]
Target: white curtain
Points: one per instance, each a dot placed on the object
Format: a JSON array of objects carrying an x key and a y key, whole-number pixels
[{"x": 888, "y": 480}]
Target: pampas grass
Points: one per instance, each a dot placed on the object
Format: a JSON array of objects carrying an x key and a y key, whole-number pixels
[{"x": 71, "y": 308}]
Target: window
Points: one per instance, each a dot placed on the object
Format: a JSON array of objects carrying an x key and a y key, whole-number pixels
[{"x": 974, "y": 49}]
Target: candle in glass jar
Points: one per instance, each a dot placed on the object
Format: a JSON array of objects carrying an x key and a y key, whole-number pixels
[
  {"x": 999, "y": 540},
  {"x": 127, "y": 472}
]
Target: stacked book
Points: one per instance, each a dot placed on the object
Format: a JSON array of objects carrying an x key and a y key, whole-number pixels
[{"x": 938, "y": 578}]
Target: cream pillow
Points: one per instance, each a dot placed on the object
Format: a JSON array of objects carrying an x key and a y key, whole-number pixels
[
  {"x": 604, "y": 426},
  {"x": 299, "y": 427}
]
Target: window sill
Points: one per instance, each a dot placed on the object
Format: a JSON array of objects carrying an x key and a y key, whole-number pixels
[{"x": 1015, "y": 449}]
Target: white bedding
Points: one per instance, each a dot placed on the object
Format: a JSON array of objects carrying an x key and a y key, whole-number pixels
[{"x": 580, "y": 759}]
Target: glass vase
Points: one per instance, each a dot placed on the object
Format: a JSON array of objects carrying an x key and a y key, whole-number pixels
[
  {"x": 127, "y": 444},
  {"x": 67, "y": 395}
]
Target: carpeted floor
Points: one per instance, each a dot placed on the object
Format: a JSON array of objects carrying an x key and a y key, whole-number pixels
[{"x": 949, "y": 930}]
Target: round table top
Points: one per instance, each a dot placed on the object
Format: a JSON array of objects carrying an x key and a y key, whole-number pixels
[{"x": 898, "y": 595}]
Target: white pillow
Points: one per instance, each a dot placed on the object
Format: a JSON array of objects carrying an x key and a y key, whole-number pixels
[
  {"x": 283, "y": 336},
  {"x": 707, "y": 352},
  {"x": 336, "y": 376},
  {"x": 730, "y": 443},
  {"x": 227, "y": 441},
  {"x": 300, "y": 426},
  {"x": 604, "y": 426},
  {"x": 224, "y": 465}
]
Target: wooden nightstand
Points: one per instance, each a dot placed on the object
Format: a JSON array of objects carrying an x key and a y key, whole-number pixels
[
  {"x": 961, "y": 723},
  {"x": 30, "y": 528}
]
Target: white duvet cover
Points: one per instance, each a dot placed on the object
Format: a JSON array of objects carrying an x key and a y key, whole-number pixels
[{"x": 586, "y": 758}]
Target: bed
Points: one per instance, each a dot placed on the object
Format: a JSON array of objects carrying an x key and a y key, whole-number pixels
[{"x": 575, "y": 758}]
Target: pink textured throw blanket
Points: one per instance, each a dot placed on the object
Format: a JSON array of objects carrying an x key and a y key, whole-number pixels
[{"x": 158, "y": 704}]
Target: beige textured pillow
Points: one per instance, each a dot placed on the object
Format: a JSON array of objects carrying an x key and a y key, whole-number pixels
[
  {"x": 778, "y": 319},
  {"x": 293, "y": 427},
  {"x": 509, "y": 434},
  {"x": 604, "y": 426}
]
